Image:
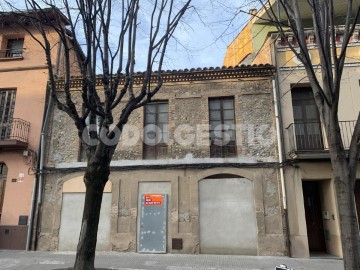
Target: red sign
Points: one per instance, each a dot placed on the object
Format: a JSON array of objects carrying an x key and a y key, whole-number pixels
[{"x": 152, "y": 199}]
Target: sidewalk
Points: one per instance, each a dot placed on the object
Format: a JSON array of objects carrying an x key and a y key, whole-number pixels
[{"x": 39, "y": 260}]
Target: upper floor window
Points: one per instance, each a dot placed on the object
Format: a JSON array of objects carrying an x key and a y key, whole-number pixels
[
  {"x": 306, "y": 120},
  {"x": 15, "y": 48},
  {"x": 155, "y": 130},
  {"x": 7, "y": 104},
  {"x": 12, "y": 48},
  {"x": 222, "y": 127}
]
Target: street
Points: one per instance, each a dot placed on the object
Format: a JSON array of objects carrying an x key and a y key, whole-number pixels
[{"x": 39, "y": 260}]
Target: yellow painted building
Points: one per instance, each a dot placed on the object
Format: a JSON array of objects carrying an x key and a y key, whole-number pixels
[{"x": 309, "y": 198}]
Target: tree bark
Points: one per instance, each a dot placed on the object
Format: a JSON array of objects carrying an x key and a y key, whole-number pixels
[
  {"x": 344, "y": 184},
  {"x": 85, "y": 255},
  {"x": 347, "y": 214}
]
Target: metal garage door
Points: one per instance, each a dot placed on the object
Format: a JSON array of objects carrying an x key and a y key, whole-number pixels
[{"x": 227, "y": 216}]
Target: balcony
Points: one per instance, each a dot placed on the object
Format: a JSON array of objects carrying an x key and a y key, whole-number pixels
[
  {"x": 11, "y": 54},
  {"x": 14, "y": 134},
  {"x": 308, "y": 140}
]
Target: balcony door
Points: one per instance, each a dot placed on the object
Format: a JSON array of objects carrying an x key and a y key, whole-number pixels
[
  {"x": 7, "y": 104},
  {"x": 306, "y": 120}
]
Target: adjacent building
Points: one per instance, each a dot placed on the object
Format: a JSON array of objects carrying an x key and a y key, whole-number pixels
[
  {"x": 313, "y": 221},
  {"x": 23, "y": 99},
  {"x": 196, "y": 170}
]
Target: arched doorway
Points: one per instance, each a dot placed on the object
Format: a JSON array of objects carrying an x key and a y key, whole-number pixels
[{"x": 227, "y": 215}]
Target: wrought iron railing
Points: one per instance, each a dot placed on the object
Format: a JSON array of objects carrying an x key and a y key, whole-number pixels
[
  {"x": 11, "y": 53},
  {"x": 311, "y": 136},
  {"x": 16, "y": 129}
]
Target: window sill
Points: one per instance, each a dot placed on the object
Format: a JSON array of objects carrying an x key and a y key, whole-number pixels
[{"x": 6, "y": 59}]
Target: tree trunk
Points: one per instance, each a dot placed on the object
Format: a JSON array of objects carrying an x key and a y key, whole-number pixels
[
  {"x": 344, "y": 184},
  {"x": 85, "y": 255},
  {"x": 347, "y": 214}
]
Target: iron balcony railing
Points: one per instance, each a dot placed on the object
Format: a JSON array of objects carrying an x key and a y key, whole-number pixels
[
  {"x": 11, "y": 53},
  {"x": 311, "y": 136},
  {"x": 16, "y": 129}
]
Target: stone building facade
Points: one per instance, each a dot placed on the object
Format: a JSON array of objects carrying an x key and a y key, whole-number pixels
[{"x": 211, "y": 199}]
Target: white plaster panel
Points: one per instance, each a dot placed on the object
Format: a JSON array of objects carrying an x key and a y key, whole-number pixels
[
  {"x": 227, "y": 217},
  {"x": 71, "y": 215}
]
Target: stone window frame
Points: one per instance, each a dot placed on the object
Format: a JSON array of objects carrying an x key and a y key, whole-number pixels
[
  {"x": 156, "y": 150},
  {"x": 217, "y": 116}
]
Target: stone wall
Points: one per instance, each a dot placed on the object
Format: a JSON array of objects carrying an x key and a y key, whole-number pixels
[
  {"x": 188, "y": 104},
  {"x": 183, "y": 220},
  {"x": 183, "y": 168}
]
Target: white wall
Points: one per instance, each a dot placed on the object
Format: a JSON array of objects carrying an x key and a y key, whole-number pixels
[
  {"x": 71, "y": 215},
  {"x": 227, "y": 216}
]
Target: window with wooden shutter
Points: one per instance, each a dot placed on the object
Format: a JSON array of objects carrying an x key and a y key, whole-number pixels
[
  {"x": 156, "y": 130},
  {"x": 306, "y": 120},
  {"x": 222, "y": 127}
]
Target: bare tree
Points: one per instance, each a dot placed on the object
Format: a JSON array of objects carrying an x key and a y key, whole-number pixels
[
  {"x": 103, "y": 35},
  {"x": 288, "y": 16}
]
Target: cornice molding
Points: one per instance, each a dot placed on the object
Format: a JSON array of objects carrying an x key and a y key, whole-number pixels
[
  {"x": 22, "y": 68},
  {"x": 190, "y": 75}
]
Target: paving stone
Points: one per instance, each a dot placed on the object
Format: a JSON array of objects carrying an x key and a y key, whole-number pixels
[{"x": 40, "y": 260}]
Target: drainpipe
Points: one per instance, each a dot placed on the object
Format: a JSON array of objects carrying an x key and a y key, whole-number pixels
[
  {"x": 42, "y": 136},
  {"x": 33, "y": 199},
  {"x": 36, "y": 180},
  {"x": 279, "y": 142},
  {"x": 41, "y": 166},
  {"x": 39, "y": 177},
  {"x": 278, "y": 120},
  {"x": 280, "y": 138}
]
